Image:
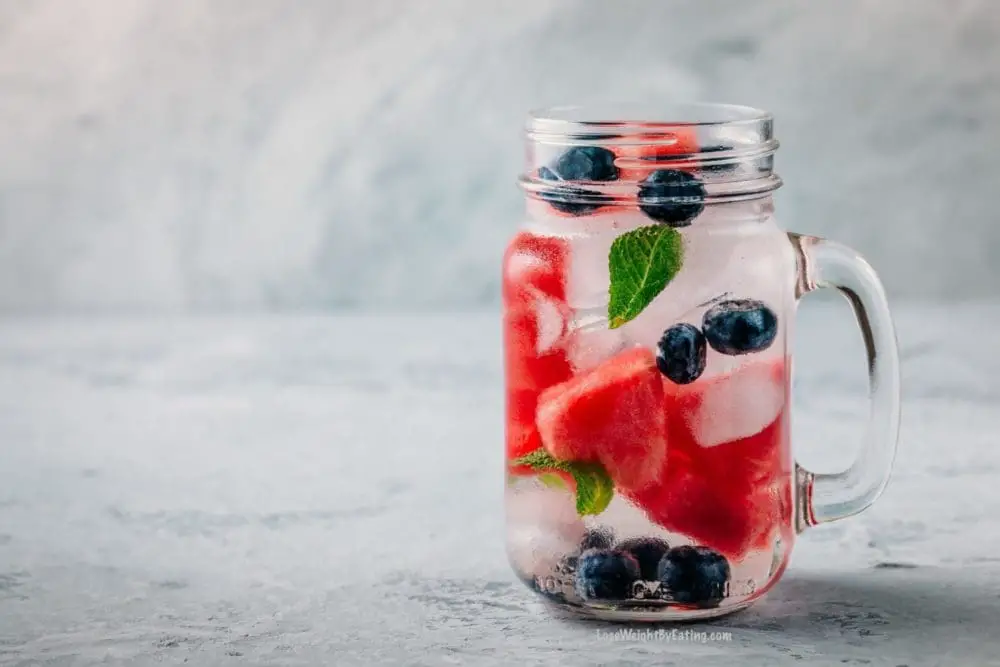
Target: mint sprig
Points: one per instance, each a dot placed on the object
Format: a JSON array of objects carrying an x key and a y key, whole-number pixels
[
  {"x": 642, "y": 262},
  {"x": 594, "y": 488}
]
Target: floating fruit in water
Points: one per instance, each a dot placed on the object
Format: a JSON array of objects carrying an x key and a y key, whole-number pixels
[
  {"x": 729, "y": 494},
  {"x": 647, "y": 551},
  {"x": 578, "y": 164},
  {"x": 606, "y": 574},
  {"x": 681, "y": 353},
  {"x": 613, "y": 414},
  {"x": 672, "y": 197},
  {"x": 694, "y": 575},
  {"x": 740, "y": 326}
]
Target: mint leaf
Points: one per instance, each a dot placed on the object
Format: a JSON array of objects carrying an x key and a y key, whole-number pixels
[
  {"x": 641, "y": 262},
  {"x": 552, "y": 480},
  {"x": 594, "y": 488},
  {"x": 539, "y": 460}
]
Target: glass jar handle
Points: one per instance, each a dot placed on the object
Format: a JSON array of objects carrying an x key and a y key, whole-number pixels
[{"x": 828, "y": 497}]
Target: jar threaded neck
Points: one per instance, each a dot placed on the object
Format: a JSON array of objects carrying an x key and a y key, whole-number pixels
[{"x": 728, "y": 149}]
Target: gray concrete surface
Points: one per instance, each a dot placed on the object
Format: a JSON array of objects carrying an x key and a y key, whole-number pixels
[{"x": 306, "y": 491}]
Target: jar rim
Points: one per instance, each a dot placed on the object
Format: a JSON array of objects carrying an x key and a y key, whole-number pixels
[{"x": 624, "y": 118}]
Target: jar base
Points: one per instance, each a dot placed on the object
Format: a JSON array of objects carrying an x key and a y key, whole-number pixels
[{"x": 646, "y": 613}]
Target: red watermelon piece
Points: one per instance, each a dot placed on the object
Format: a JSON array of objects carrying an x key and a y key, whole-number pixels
[
  {"x": 534, "y": 295},
  {"x": 534, "y": 310},
  {"x": 522, "y": 435},
  {"x": 533, "y": 325},
  {"x": 685, "y": 143},
  {"x": 612, "y": 413},
  {"x": 536, "y": 261},
  {"x": 730, "y": 496}
]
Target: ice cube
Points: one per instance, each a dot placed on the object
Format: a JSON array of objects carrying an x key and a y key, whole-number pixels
[
  {"x": 628, "y": 521},
  {"x": 542, "y": 526},
  {"x": 543, "y": 220},
  {"x": 588, "y": 280},
  {"x": 550, "y": 318},
  {"x": 738, "y": 405},
  {"x": 590, "y": 341},
  {"x": 521, "y": 264},
  {"x": 588, "y": 277}
]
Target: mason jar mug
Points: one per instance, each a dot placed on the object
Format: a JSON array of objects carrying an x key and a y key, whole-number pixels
[{"x": 648, "y": 306}]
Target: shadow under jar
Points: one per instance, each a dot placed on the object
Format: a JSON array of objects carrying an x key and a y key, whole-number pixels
[{"x": 648, "y": 301}]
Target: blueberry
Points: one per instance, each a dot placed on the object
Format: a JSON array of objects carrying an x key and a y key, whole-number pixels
[
  {"x": 680, "y": 354},
  {"x": 606, "y": 574},
  {"x": 600, "y": 538},
  {"x": 647, "y": 551},
  {"x": 672, "y": 197},
  {"x": 586, "y": 163},
  {"x": 568, "y": 199},
  {"x": 740, "y": 326},
  {"x": 694, "y": 575},
  {"x": 580, "y": 163}
]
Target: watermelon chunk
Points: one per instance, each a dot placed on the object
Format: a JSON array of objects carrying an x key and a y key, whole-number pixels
[
  {"x": 698, "y": 496},
  {"x": 536, "y": 261},
  {"x": 534, "y": 316},
  {"x": 730, "y": 496},
  {"x": 613, "y": 414},
  {"x": 533, "y": 328},
  {"x": 685, "y": 143},
  {"x": 731, "y": 406}
]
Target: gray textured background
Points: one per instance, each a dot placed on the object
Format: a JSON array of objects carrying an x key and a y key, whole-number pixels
[{"x": 187, "y": 155}]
